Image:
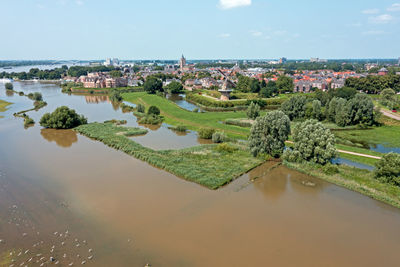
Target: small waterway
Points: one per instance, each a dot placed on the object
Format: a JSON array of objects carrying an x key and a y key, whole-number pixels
[
  {"x": 352, "y": 164},
  {"x": 384, "y": 149},
  {"x": 62, "y": 193},
  {"x": 180, "y": 100}
]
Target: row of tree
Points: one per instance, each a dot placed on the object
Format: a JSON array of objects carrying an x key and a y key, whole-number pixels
[
  {"x": 374, "y": 84},
  {"x": 284, "y": 84}
]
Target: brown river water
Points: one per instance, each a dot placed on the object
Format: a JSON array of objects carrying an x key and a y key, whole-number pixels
[{"x": 65, "y": 196}]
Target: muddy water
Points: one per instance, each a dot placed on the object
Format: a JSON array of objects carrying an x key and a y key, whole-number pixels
[{"x": 130, "y": 213}]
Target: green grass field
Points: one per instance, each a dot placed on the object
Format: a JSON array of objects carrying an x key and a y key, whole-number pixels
[
  {"x": 204, "y": 164},
  {"x": 174, "y": 115},
  {"x": 3, "y": 106},
  {"x": 357, "y": 180}
]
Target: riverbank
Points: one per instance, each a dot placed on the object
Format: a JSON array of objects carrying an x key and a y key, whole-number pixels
[
  {"x": 207, "y": 165},
  {"x": 102, "y": 90},
  {"x": 358, "y": 180}
]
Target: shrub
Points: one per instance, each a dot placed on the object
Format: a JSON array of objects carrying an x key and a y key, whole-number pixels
[
  {"x": 21, "y": 93},
  {"x": 388, "y": 169},
  {"x": 312, "y": 142},
  {"x": 151, "y": 119},
  {"x": 152, "y": 85},
  {"x": 253, "y": 111},
  {"x": 219, "y": 137},
  {"x": 115, "y": 96},
  {"x": 9, "y": 86},
  {"x": 140, "y": 108},
  {"x": 206, "y": 133},
  {"x": 195, "y": 110},
  {"x": 175, "y": 87},
  {"x": 126, "y": 108},
  {"x": 239, "y": 122},
  {"x": 330, "y": 169},
  {"x": 35, "y": 96},
  {"x": 225, "y": 148},
  {"x": 117, "y": 122},
  {"x": 62, "y": 118},
  {"x": 153, "y": 110},
  {"x": 28, "y": 121},
  {"x": 269, "y": 133},
  {"x": 179, "y": 128}
]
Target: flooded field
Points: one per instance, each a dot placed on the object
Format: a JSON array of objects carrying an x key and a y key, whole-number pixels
[{"x": 67, "y": 199}]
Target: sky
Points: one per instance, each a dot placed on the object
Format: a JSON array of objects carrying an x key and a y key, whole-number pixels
[{"x": 199, "y": 29}]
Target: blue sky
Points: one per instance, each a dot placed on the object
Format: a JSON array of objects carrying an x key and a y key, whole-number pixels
[{"x": 201, "y": 29}]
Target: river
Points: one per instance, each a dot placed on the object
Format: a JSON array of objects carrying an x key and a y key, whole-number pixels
[{"x": 87, "y": 200}]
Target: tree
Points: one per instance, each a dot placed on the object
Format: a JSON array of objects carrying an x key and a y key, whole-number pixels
[
  {"x": 243, "y": 84},
  {"x": 285, "y": 84},
  {"x": 388, "y": 169},
  {"x": 360, "y": 110},
  {"x": 9, "y": 86},
  {"x": 153, "y": 85},
  {"x": 115, "y": 73},
  {"x": 295, "y": 107},
  {"x": 175, "y": 87},
  {"x": 62, "y": 118},
  {"x": 253, "y": 111},
  {"x": 255, "y": 86},
  {"x": 316, "y": 110},
  {"x": 269, "y": 89},
  {"x": 269, "y": 133},
  {"x": 345, "y": 92},
  {"x": 312, "y": 142},
  {"x": 115, "y": 96},
  {"x": 153, "y": 110},
  {"x": 140, "y": 108}
]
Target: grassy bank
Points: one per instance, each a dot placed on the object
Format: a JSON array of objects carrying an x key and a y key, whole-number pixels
[
  {"x": 3, "y": 106},
  {"x": 357, "y": 180},
  {"x": 175, "y": 115},
  {"x": 204, "y": 165}
]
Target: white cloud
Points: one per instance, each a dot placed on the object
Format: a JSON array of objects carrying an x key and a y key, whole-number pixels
[
  {"x": 370, "y": 11},
  {"x": 381, "y": 19},
  {"x": 256, "y": 33},
  {"x": 225, "y": 35},
  {"x": 394, "y": 7},
  {"x": 228, "y": 4}
]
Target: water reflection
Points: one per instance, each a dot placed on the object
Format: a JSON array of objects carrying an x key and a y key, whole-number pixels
[
  {"x": 9, "y": 93},
  {"x": 95, "y": 99},
  {"x": 63, "y": 138},
  {"x": 180, "y": 100}
]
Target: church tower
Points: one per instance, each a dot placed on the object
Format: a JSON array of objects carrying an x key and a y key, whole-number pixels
[{"x": 182, "y": 63}]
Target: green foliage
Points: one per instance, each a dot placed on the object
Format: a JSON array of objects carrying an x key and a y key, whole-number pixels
[
  {"x": 153, "y": 110},
  {"x": 151, "y": 119},
  {"x": 312, "y": 142},
  {"x": 28, "y": 121},
  {"x": 344, "y": 92},
  {"x": 62, "y": 118},
  {"x": 115, "y": 74},
  {"x": 330, "y": 169},
  {"x": 206, "y": 133},
  {"x": 317, "y": 110},
  {"x": 269, "y": 90},
  {"x": 179, "y": 128},
  {"x": 374, "y": 84},
  {"x": 285, "y": 84},
  {"x": 126, "y": 108},
  {"x": 141, "y": 108},
  {"x": 115, "y": 96},
  {"x": 153, "y": 85},
  {"x": 244, "y": 84},
  {"x": 389, "y": 99},
  {"x": 269, "y": 133},
  {"x": 253, "y": 111},
  {"x": 9, "y": 86},
  {"x": 239, "y": 122},
  {"x": 388, "y": 169},
  {"x": 226, "y": 148},
  {"x": 174, "y": 87},
  {"x": 295, "y": 107},
  {"x": 219, "y": 137},
  {"x": 117, "y": 122}
]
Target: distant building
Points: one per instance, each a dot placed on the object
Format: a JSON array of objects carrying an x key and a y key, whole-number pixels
[
  {"x": 317, "y": 60},
  {"x": 383, "y": 72},
  {"x": 182, "y": 63},
  {"x": 111, "y": 62},
  {"x": 398, "y": 62},
  {"x": 282, "y": 60}
]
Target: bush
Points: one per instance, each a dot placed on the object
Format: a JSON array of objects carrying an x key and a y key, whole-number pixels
[
  {"x": 140, "y": 108},
  {"x": 239, "y": 122},
  {"x": 62, "y": 118},
  {"x": 153, "y": 110},
  {"x": 21, "y": 93},
  {"x": 35, "y": 96},
  {"x": 152, "y": 85},
  {"x": 115, "y": 96},
  {"x": 126, "y": 108},
  {"x": 180, "y": 128},
  {"x": 269, "y": 133},
  {"x": 151, "y": 119},
  {"x": 219, "y": 137},
  {"x": 330, "y": 169},
  {"x": 175, "y": 87},
  {"x": 206, "y": 133},
  {"x": 253, "y": 112},
  {"x": 388, "y": 169},
  {"x": 225, "y": 148},
  {"x": 9, "y": 86},
  {"x": 312, "y": 142},
  {"x": 195, "y": 110},
  {"x": 28, "y": 121},
  {"x": 117, "y": 122}
]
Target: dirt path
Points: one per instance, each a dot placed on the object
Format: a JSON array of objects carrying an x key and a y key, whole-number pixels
[{"x": 390, "y": 114}]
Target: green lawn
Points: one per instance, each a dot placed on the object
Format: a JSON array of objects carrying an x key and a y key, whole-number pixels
[
  {"x": 204, "y": 164},
  {"x": 174, "y": 115},
  {"x": 358, "y": 180},
  {"x": 3, "y": 106}
]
